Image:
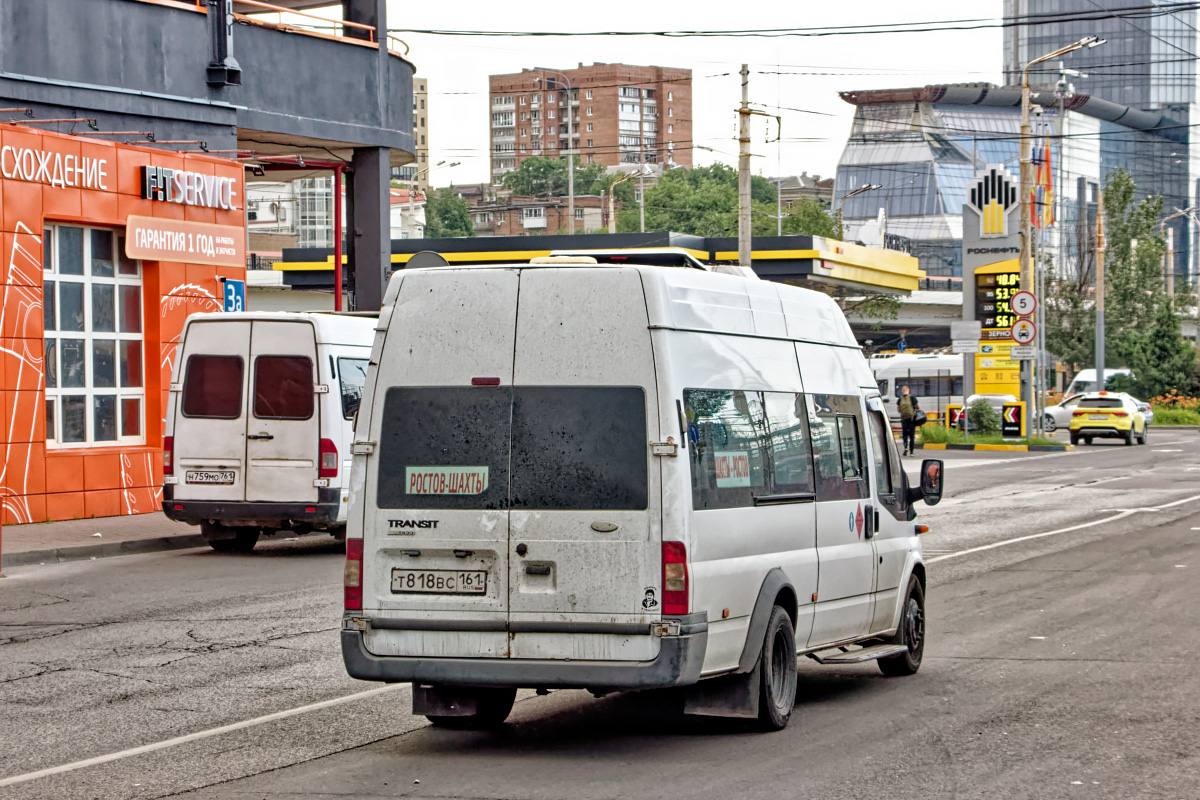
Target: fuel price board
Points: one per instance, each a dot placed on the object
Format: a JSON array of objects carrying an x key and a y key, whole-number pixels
[{"x": 992, "y": 295}]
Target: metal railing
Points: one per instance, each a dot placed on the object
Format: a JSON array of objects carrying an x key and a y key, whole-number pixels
[{"x": 338, "y": 26}]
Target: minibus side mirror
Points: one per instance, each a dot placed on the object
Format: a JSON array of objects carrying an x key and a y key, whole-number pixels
[{"x": 930, "y": 489}]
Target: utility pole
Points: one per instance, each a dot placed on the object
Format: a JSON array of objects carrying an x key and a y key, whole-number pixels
[
  {"x": 1100, "y": 244},
  {"x": 1170, "y": 265},
  {"x": 744, "y": 225},
  {"x": 1026, "y": 235}
]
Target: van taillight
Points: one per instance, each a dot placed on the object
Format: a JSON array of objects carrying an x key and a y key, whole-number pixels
[
  {"x": 329, "y": 460},
  {"x": 352, "y": 576},
  {"x": 675, "y": 579},
  {"x": 168, "y": 455}
]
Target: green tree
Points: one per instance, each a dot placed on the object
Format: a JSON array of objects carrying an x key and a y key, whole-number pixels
[
  {"x": 542, "y": 176},
  {"x": 704, "y": 202},
  {"x": 1133, "y": 260},
  {"x": 447, "y": 215},
  {"x": 1161, "y": 359}
]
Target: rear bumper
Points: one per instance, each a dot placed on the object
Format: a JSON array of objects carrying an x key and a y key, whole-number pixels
[
  {"x": 252, "y": 514},
  {"x": 677, "y": 664},
  {"x": 1112, "y": 433}
]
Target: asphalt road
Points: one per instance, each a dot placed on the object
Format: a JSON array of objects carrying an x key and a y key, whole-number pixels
[{"x": 1062, "y": 662}]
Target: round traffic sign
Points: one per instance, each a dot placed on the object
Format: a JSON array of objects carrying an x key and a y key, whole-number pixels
[
  {"x": 1023, "y": 331},
  {"x": 1023, "y": 303}
]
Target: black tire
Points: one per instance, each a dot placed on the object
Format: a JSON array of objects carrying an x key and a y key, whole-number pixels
[
  {"x": 242, "y": 541},
  {"x": 1049, "y": 424},
  {"x": 777, "y": 666},
  {"x": 492, "y": 707},
  {"x": 1087, "y": 440},
  {"x": 1129, "y": 437},
  {"x": 911, "y": 634},
  {"x": 1145, "y": 432},
  {"x": 1074, "y": 438}
]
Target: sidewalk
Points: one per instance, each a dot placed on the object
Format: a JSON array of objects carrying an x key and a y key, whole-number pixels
[{"x": 76, "y": 539}]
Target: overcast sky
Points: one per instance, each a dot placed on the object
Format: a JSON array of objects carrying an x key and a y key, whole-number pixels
[{"x": 816, "y": 69}]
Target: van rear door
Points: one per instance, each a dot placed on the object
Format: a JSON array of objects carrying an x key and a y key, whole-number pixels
[
  {"x": 210, "y": 426},
  {"x": 283, "y": 422},
  {"x": 585, "y": 529}
]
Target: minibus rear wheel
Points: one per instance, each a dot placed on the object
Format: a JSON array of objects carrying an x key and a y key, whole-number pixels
[
  {"x": 911, "y": 634},
  {"x": 778, "y": 667},
  {"x": 217, "y": 536}
]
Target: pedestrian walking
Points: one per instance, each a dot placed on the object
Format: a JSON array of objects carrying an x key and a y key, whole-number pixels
[{"x": 908, "y": 424}]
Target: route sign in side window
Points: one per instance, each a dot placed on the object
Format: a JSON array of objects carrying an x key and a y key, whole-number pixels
[
  {"x": 835, "y": 423},
  {"x": 212, "y": 387},
  {"x": 725, "y": 447},
  {"x": 352, "y": 374}
]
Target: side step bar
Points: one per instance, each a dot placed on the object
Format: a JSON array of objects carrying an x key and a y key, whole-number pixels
[{"x": 844, "y": 656}]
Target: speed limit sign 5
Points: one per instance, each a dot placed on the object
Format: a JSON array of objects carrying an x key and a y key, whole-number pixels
[
  {"x": 1023, "y": 331},
  {"x": 1023, "y": 303}
]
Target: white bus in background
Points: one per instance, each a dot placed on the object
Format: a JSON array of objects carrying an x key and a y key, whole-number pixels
[{"x": 936, "y": 380}]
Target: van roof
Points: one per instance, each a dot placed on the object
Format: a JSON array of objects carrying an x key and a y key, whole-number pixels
[
  {"x": 331, "y": 328},
  {"x": 716, "y": 302}
]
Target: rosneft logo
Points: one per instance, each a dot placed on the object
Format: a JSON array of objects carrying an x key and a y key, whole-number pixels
[{"x": 992, "y": 196}]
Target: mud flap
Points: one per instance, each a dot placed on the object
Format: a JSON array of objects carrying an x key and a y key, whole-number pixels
[
  {"x": 444, "y": 701},
  {"x": 727, "y": 696}
]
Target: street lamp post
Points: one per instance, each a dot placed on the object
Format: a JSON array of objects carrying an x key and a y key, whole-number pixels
[
  {"x": 612, "y": 193},
  {"x": 1169, "y": 255},
  {"x": 570, "y": 151},
  {"x": 1027, "y": 283}
]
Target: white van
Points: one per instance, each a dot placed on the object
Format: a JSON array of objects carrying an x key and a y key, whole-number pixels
[
  {"x": 1085, "y": 380},
  {"x": 936, "y": 380},
  {"x": 259, "y": 422},
  {"x": 615, "y": 477}
]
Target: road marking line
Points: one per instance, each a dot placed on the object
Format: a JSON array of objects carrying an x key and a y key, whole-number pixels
[
  {"x": 192, "y": 737},
  {"x": 1127, "y": 512}
]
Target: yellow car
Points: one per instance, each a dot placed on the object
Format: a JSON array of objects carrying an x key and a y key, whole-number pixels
[{"x": 1107, "y": 414}]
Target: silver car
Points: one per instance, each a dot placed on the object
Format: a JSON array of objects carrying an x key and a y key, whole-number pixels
[{"x": 1059, "y": 416}]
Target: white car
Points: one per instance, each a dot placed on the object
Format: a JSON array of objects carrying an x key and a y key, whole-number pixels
[{"x": 1059, "y": 415}]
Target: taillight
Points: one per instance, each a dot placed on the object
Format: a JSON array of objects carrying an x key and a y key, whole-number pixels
[
  {"x": 352, "y": 575},
  {"x": 329, "y": 460},
  {"x": 1120, "y": 413},
  {"x": 1079, "y": 413},
  {"x": 169, "y": 455},
  {"x": 675, "y": 579}
]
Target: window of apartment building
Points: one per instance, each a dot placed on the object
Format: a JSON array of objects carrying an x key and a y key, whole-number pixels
[
  {"x": 549, "y": 97},
  {"x": 524, "y": 116},
  {"x": 92, "y": 312},
  {"x": 422, "y": 107},
  {"x": 502, "y": 100},
  {"x": 523, "y": 99},
  {"x": 670, "y": 128},
  {"x": 523, "y": 131},
  {"x": 550, "y": 114},
  {"x": 670, "y": 112},
  {"x": 537, "y": 115},
  {"x": 522, "y": 148},
  {"x": 534, "y": 99},
  {"x": 423, "y": 120},
  {"x": 629, "y": 91},
  {"x": 588, "y": 94},
  {"x": 534, "y": 213},
  {"x": 589, "y": 127},
  {"x": 590, "y": 143},
  {"x": 589, "y": 111},
  {"x": 670, "y": 96},
  {"x": 591, "y": 159},
  {"x": 422, "y": 138},
  {"x": 579, "y": 213},
  {"x": 500, "y": 217}
]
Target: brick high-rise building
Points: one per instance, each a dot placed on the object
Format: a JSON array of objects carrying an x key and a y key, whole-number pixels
[
  {"x": 416, "y": 175},
  {"x": 616, "y": 114}
]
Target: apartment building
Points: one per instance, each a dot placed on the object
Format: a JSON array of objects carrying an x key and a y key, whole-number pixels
[
  {"x": 416, "y": 175},
  {"x": 609, "y": 114}
]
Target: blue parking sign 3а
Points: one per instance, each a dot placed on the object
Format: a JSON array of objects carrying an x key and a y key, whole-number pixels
[{"x": 235, "y": 295}]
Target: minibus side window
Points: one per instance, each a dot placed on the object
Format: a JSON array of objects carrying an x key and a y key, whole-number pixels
[
  {"x": 352, "y": 374},
  {"x": 212, "y": 387},
  {"x": 787, "y": 439},
  {"x": 881, "y": 432},
  {"x": 725, "y": 447},
  {"x": 283, "y": 387},
  {"x": 837, "y": 446}
]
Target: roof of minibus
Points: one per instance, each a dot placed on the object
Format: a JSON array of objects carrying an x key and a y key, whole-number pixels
[{"x": 331, "y": 328}]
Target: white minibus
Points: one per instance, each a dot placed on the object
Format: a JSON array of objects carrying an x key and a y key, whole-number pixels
[
  {"x": 606, "y": 476},
  {"x": 259, "y": 421},
  {"x": 936, "y": 380}
]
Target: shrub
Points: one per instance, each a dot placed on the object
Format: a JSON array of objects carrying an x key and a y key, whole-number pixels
[
  {"x": 933, "y": 433},
  {"x": 1176, "y": 416},
  {"x": 983, "y": 417}
]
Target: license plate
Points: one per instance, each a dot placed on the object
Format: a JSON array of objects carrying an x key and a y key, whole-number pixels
[
  {"x": 438, "y": 581},
  {"x": 1097, "y": 416},
  {"x": 210, "y": 476}
]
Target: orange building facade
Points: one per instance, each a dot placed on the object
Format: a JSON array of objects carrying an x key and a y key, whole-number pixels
[{"x": 107, "y": 248}]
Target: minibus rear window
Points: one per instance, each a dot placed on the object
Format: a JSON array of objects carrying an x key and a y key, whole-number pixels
[
  {"x": 579, "y": 448},
  {"x": 569, "y": 448},
  {"x": 283, "y": 387},
  {"x": 212, "y": 387}
]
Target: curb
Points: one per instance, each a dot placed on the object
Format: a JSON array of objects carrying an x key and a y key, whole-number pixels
[
  {"x": 88, "y": 551},
  {"x": 1195, "y": 428},
  {"x": 1003, "y": 448}
]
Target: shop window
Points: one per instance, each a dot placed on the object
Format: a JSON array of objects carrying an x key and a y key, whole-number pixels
[{"x": 94, "y": 362}]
